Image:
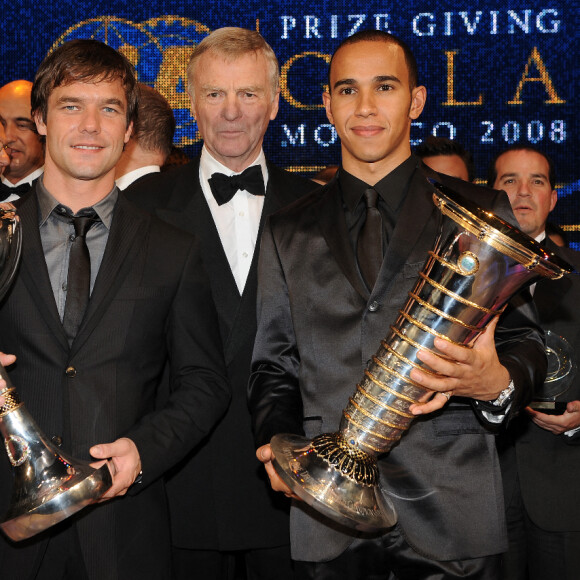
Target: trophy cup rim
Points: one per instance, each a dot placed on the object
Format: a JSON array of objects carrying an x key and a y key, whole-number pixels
[{"x": 499, "y": 233}]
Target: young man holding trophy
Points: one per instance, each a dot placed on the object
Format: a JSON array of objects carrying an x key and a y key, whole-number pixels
[{"x": 334, "y": 270}]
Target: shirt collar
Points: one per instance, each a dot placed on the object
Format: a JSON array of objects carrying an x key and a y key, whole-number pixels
[
  {"x": 104, "y": 208},
  {"x": 126, "y": 180},
  {"x": 392, "y": 188},
  {"x": 25, "y": 180},
  {"x": 208, "y": 165},
  {"x": 540, "y": 237}
]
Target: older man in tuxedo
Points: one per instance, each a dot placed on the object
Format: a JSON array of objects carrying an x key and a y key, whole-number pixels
[
  {"x": 327, "y": 294},
  {"x": 223, "y": 197},
  {"x": 540, "y": 451},
  {"x": 114, "y": 328}
]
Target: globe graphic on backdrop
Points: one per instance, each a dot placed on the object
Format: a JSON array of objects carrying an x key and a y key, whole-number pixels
[{"x": 159, "y": 49}]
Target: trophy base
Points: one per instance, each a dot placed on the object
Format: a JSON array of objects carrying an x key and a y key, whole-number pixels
[
  {"x": 35, "y": 514},
  {"x": 332, "y": 488}
]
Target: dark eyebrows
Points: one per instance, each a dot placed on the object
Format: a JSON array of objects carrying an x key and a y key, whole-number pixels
[
  {"x": 112, "y": 101},
  {"x": 515, "y": 174},
  {"x": 377, "y": 79}
]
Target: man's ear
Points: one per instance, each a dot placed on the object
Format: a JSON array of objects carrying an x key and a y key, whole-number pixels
[
  {"x": 128, "y": 133},
  {"x": 40, "y": 124},
  {"x": 553, "y": 200},
  {"x": 275, "y": 105},
  {"x": 326, "y": 99},
  {"x": 418, "y": 100}
]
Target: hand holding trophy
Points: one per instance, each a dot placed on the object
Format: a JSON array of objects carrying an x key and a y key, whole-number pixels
[{"x": 49, "y": 486}]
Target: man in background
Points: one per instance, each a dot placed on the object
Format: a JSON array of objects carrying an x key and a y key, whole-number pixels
[
  {"x": 151, "y": 141},
  {"x": 229, "y": 515},
  {"x": 23, "y": 143},
  {"x": 446, "y": 156},
  {"x": 540, "y": 451}
]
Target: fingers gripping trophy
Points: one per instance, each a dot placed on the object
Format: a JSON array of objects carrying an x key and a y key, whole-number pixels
[
  {"x": 478, "y": 262},
  {"x": 49, "y": 486}
]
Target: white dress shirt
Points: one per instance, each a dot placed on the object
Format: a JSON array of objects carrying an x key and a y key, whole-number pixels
[
  {"x": 126, "y": 180},
  {"x": 238, "y": 220}
]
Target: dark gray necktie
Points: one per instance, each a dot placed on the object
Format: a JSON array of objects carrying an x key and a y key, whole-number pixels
[
  {"x": 369, "y": 247},
  {"x": 79, "y": 276}
]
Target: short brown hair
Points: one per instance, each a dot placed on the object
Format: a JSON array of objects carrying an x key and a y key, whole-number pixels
[
  {"x": 231, "y": 43},
  {"x": 85, "y": 61},
  {"x": 155, "y": 123}
]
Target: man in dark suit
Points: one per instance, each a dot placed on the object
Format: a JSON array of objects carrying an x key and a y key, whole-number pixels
[
  {"x": 540, "y": 452},
  {"x": 321, "y": 316},
  {"x": 234, "y": 90},
  {"x": 92, "y": 381}
]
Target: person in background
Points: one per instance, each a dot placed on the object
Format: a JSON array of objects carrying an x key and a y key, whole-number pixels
[
  {"x": 540, "y": 451},
  {"x": 446, "y": 156},
  {"x": 151, "y": 141},
  {"x": 23, "y": 143}
]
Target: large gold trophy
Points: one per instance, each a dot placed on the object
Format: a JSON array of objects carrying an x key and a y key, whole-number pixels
[
  {"x": 49, "y": 486},
  {"x": 477, "y": 264}
]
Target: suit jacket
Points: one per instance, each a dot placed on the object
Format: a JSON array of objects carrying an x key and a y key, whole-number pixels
[
  {"x": 548, "y": 465},
  {"x": 151, "y": 304},
  {"x": 232, "y": 507},
  {"x": 318, "y": 327}
]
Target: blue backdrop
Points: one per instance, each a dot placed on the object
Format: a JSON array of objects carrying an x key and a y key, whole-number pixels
[{"x": 496, "y": 74}]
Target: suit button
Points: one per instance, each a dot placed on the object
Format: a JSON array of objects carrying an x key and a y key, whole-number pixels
[
  {"x": 373, "y": 306},
  {"x": 71, "y": 372},
  {"x": 56, "y": 440}
]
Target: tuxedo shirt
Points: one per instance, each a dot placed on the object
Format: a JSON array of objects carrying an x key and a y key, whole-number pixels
[{"x": 238, "y": 220}]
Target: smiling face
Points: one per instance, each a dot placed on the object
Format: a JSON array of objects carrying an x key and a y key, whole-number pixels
[
  {"x": 24, "y": 146},
  {"x": 524, "y": 176},
  {"x": 86, "y": 129},
  {"x": 371, "y": 105},
  {"x": 233, "y": 102}
]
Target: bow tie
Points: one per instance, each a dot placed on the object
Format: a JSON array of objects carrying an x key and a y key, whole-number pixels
[
  {"x": 224, "y": 188},
  {"x": 6, "y": 191}
]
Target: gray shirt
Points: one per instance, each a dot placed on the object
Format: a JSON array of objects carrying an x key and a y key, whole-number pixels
[{"x": 57, "y": 234}]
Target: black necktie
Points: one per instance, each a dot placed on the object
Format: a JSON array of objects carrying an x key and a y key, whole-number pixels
[
  {"x": 225, "y": 187},
  {"x": 369, "y": 247},
  {"x": 6, "y": 191},
  {"x": 79, "y": 276}
]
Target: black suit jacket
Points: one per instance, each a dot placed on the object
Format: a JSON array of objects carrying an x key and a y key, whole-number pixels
[
  {"x": 548, "y": 465},
  {"x": 151, "y": 304},
  {"x": 317, "y": 328},
  {"x": 231, "y": 507}
]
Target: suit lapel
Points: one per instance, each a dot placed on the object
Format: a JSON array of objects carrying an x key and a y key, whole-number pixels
[
  {"x": 417, "y": 209},
  {"x": 188, "y": 210},
  {"x": 33, "y": 267}
]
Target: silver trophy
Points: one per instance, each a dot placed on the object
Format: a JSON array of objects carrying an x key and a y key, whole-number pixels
[
  {"x": 49, "y": 486},
  {"x": 562, "y": 369},
  {"x": 477, "y": 264}
]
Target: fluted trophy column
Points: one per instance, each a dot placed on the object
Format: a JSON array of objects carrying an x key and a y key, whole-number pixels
[
  {"x": 478, "y": 262},
  {"x": 49, "y": 486}
]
